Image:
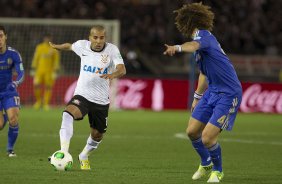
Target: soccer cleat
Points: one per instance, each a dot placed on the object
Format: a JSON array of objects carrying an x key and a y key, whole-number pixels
[
  {"x": 202, "y": 171},
  {"x": 37, "y": 105},
  {"x": 46, "y": 107},
  {"x": 84, "y": 164},
  {"x": 11, "y": 153},
  {"x": 215, "y": 177}
]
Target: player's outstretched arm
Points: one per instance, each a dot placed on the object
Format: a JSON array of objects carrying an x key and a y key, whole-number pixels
[
  {"x": 64, "y": 46},
  {"x": 190, "y": 46},
  {"x": 185, "y": 47}
]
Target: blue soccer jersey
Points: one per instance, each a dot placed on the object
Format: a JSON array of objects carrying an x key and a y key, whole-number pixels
[
  {"x": 10, "y": 61},
  {"x": 214, "y": 64},
  {"x": 222, "y": 99}
]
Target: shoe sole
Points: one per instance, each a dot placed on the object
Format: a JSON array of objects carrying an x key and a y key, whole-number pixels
[{"x": 80, "y": 165}]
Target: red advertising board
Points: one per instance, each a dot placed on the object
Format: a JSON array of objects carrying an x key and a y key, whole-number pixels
[
  {"x": 262, "y": 97},
  {"x": 153, "y": 94},
  {"x": 59, "y": 90},
  {"x": 159, "y": 94}
]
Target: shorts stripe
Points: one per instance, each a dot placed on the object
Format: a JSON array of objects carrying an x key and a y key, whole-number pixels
[
  {"x": 231, "y": 110},
  {"x": 226, "y": 122}
]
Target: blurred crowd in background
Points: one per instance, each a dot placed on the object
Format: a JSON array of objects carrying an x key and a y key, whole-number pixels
[{"x": 242, "y": 27}]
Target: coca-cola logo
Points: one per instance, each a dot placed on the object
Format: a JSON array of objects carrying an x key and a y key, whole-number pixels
[
  {"x": 255, "y": 99},
  {"x": 130, "y": 94}
]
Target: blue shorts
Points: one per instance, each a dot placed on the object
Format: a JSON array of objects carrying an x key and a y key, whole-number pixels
[
  {"x": 8, "y": 100},
  {"x": 218, "y": 108}
]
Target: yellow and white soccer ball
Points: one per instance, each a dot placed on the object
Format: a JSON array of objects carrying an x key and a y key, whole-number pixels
[{"x": 61, "y": 160}]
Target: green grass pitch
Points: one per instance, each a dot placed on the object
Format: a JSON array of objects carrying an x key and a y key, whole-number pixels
[{"x": 142, "y": 147}]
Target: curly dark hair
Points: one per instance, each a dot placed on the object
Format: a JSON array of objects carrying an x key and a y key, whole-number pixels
[
  {"x": 194, "y": 15},
  {"x": 2, "y": 28}
]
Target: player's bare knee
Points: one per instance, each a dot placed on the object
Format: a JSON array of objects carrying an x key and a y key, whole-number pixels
[
  {"x": 192, "y": 134},
  {"x": 96, "y": 136},
  {"x": 207, "y": 141},
  {"x": 2, "y": 123},
  {"x": 189, "y": 133},
  {"x": 13, "y": 120}
]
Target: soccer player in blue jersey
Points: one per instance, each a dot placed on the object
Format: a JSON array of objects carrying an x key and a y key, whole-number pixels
[
  {"x": 10, "y": 61},
  {"x": 219, "y": 92}
]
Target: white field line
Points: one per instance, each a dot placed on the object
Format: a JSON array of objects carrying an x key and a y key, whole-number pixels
[
  {"x": 184, "y": 136},
  {"x": 177, "y": 135},
  {"x": 257, "y": 133},
  {"x": 87, "y": 135}
]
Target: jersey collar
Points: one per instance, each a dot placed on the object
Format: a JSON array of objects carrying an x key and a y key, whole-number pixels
[{"x": 101, "y": 49}]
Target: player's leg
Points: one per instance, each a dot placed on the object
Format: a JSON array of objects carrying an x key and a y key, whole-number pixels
[
  {"x": 209, "y": 137},
  {"x": 197, "y": 123},
  {"x": 92, "y": 144},
  {"x": 98, "y": 123},
  {"x": 75, "y": 110},
  {"x": 2, "y": 120},
  {"x": 37, "y": 81},
  {"x": 12, "y": 108},
  {"x": 48, "y": 84},
  {"x": 194, "y": 132},
  {"x": 3, "y": 117},
  {"x": 223, "y": 118},
  {"x": 71, "y": 113},
  {"x": 47, "y": 97},
  {"x": 13, "y": 116}
]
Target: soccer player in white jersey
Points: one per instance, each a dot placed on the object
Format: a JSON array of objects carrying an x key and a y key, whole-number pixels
[{"x": 100, "y": 62}]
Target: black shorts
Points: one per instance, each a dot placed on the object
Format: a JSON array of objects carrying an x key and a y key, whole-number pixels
[{"x": 97, "y": 113}]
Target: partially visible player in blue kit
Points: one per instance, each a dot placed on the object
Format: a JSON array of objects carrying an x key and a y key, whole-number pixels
[
  {"x": 10, "y": 61},
  {"x": 219, "y": 92}
]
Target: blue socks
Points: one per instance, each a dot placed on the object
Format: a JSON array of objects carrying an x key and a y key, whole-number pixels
[
  {"x": 215, "y": 153},
  {"x": 12, "y": 137},
  {"x": 212, "y": 154},
  {"x": 202, "y": 151}
]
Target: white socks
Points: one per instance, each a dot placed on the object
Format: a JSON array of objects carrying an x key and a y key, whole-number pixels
[
  {"x": 90, "y": 146},
  {"x": 66, "y": 131}
]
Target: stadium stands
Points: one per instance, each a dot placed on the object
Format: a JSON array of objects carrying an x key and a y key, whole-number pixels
[{"x": 243, "y": 27}]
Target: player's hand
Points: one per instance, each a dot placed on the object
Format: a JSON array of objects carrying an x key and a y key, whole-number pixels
[
  {"x": 54, "y": 46},
  {"x": 170, "y": 50},
  {"x": 107, "y": 76},
  {"x": 195, "y": 102},
  {"x": 12, "y": 86},
  {"x": 54, "y": 75},
  {"x": 31, "y": 73}
]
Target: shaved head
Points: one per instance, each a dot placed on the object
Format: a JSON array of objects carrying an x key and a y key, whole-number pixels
[{"x": 98, "y": 28}]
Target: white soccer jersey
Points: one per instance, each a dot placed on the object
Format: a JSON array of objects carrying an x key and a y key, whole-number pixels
[{"x": 93, "y": 65}]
